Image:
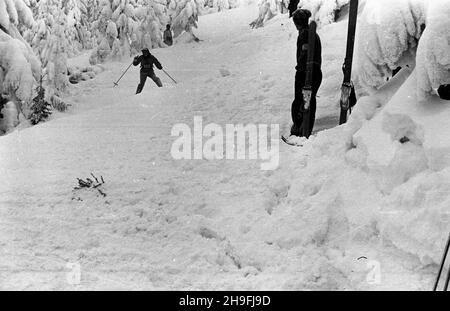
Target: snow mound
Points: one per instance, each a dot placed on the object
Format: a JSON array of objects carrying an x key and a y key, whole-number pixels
[{"x": 381, "y": 182}]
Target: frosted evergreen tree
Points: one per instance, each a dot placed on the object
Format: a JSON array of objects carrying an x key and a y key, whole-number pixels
[
  {"x": 152, "y": 17},
  {"x": 78, "y": 28},
  {"x": 19, "y": 67},
  {"x": 184, "y": 15},
  {"x": 267, "y": 10},
  {"x": 45, "y": 12},
  {"x": 56, "y": 58},
  {"x": 51, "y": 40},
  {"x": 323, "y": 11},
  {"x": 220, "y": 5},
  {"x": 116, "y": 24},
  {"x": 404, "y": 32}
]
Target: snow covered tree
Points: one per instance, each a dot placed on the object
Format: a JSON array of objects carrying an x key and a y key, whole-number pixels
[
  {"x": 397, "y": 33},
  {"x": 41, "y": 108},
  {"x": 433, "y": 55},
  {"x": 115, "y": 27},
  {"x": 19, "y": 67},
  {"x": 56, "y": 58},
  {"x": 323, "y": 11},
  {"x": 184, "y": 15},
  {"x": 45, "y": 12},
  {"x": 221, "y": 5},
  {"x": 53, "y": 42},
  {"x": 78, "y": 32},
  {"x": 152, "y": 18},
  {"x": 267, "y": 10}
]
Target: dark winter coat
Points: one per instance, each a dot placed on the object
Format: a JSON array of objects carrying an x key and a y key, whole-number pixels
[
  {"x": 168, "y": 37},
  {"x": 302, "y": 51},
  {"x": 444, "y": 91},
  {"x": 292, "y": 7},
  {"x": 147, "y": 61}
]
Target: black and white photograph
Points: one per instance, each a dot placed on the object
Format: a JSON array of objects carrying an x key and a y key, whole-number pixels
[{"x": 225, "y": 146}]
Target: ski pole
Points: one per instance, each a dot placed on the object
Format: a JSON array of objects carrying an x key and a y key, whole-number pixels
[
  {"x": 117, "y": 83},
  {"x": 442, "y": 266},
  {"x": 169, "y": 76},
  {"x": 447, "y": 281}
]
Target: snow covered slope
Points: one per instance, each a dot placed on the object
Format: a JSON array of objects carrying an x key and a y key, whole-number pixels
[{"x": 331, "y": 216}]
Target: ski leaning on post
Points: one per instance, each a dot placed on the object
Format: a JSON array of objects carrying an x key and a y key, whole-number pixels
[
  {"x": 348, "y": 98},
  {"x": 307, "y": 89}
]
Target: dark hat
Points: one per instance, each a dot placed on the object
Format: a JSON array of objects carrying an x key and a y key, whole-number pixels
[{"x": 301, "y": 16}]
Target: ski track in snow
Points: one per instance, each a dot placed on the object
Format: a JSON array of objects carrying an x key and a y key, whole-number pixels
[{"x": 168, "y": 224}]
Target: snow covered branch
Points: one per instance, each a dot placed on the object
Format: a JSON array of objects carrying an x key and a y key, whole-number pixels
[
  {"x": 395, "y": 33},
  {"x": 323, "y": 11},
  {"x": 184, "y": 15},
  {"x": 19, "y": 68},
  {"x": 433, "y": 55}
]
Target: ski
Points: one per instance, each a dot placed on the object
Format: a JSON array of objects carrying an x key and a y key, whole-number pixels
[
  {"x": 348, "y": 98},
  {"x": 286, "y": 141},
  {"x": 307, "y": 89}
]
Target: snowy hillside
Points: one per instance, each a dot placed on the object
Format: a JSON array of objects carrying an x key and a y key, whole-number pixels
[{"x": 362, "y": 206}]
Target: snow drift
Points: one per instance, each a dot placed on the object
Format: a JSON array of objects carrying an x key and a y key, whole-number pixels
[
  {"x": 361, "y": 206},
  {"x": 382, "y": 180}
]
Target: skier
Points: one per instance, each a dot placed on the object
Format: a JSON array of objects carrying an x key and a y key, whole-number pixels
[
  {"x": 168, "y": 36},
  {"x": 300, "y": 18},
  {"x": 147, "y": 60},
  {"x": 292, "y": 7}
]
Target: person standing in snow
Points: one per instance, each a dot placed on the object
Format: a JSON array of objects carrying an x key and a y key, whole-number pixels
[
  {"x": 147, "y": 60},
  {"x": 300, "y": 18},
  {"x": 168, "y": 36}
]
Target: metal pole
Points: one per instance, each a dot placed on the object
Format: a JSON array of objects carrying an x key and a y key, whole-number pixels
[
  {"x": 169, "y": 76},
  {"x": 447, "y": 281},
  {"x": 442, "y": 267},
  {"x": 117, "y": 83}
]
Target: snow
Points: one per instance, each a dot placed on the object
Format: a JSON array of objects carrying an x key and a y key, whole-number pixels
[
  {"x": 14, "y": 11},
  {"x": 433, "y": 57},
  {"x": 323, "y": 11},
  {"x": 353, "y": 209},
  {"x": 18, "y": 65},
  {"x": 390, "y": 34}
]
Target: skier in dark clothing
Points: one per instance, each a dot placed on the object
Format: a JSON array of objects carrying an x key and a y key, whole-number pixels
[
  {"x": 168, "y": 36},
  {"x": 292, "y": 7},
  {"x": 300, "y": 18},
  {"x": 147, "y": 61}
]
